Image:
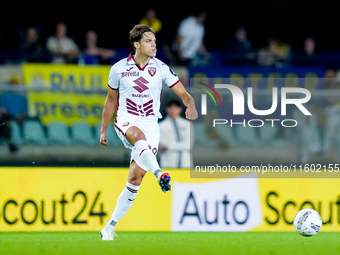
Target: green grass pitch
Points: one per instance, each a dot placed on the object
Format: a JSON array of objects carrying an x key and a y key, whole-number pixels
[{"x": 174, "y": 243}]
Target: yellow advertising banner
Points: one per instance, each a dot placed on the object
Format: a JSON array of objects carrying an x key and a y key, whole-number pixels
[
  {"x": 69, "y": 199},
  {"x": 281, "y": 199},
  {"x": 82, "y": 199},
  {"x": 66, "y": 93}
]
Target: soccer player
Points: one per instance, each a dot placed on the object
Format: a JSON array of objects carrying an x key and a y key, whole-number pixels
[{"x": 135, "y": 85}]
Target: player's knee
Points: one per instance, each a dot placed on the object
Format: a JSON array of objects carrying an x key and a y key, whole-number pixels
[
  {"x": 134, "y": 135},
  {"x": 139, "y": 136}
]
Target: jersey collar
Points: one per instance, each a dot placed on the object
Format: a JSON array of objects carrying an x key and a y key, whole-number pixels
[{"x": 131, "y": 61}]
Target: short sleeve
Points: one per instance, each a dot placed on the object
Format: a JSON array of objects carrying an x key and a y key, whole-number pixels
[
  {"x": 169, "y": 76},
  {"x": 113, "y": 82}
]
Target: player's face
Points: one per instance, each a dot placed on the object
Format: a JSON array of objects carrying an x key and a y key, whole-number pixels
[{"x": 147, "y": 45}]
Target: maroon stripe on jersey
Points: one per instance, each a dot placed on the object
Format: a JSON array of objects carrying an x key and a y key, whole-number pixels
[
  {"x": 149, "y": 113},
  {"x": 130, "y": 57},
  {"x": 117, "y": 107},
  {"x": 133, "y": 113},
  {"x": 132, "y": 107},
  {"x": 174, "y": 84},
  {"x": 148, "y": 107},
  {"x": 119, "y": 130},
  {"x": 141, "y": 68},
  {"x": 131, "y": 102},
  {"x": 128, "y": 107},
  {"x": 136, "y": 112},
  {"x": 147, "y": 103}
]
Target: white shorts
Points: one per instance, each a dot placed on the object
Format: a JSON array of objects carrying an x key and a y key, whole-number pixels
[{"x": 150, "y": 128}]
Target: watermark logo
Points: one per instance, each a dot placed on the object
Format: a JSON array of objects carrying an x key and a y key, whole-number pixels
[
  {"x": 204, "y": 97},
  {"x": 296, "y": 97}
]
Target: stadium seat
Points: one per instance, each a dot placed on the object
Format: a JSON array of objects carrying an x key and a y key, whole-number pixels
[
  {"x": 58, "y": 133},
  {"x": 16, "y": 133},
  {"x": 201, "y": 137},
  {"x": 247, "y": 135},
  {"x": 111, "y": 135},
  {"x": 268, "y": 133},
  {"x": 34, "y": 133},
  {"x": 82, "y": 134},
  {"x": 227, "y": 134}
]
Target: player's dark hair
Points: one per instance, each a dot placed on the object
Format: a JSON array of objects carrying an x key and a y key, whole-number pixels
[{"x": 137, "y": 33}]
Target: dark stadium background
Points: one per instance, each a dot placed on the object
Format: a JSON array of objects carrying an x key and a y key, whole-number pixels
[{"x": 287, "y": 21}]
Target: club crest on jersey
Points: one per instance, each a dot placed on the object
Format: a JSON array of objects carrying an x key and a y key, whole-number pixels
[{"x": 152, "y": 70}]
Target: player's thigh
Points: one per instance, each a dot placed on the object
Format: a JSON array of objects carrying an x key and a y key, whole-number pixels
[
  {"x": 136, "y": 174},
  {"x": 133, "y": 134}
]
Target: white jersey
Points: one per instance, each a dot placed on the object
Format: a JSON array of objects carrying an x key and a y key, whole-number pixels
[{"x": 139, "y": 88}]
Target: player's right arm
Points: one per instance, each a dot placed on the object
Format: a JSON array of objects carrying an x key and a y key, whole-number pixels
[{"x": 108, "y": 111}]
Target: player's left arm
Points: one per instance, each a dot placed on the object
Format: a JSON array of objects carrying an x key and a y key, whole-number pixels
[{"x": 188, "y": 101}]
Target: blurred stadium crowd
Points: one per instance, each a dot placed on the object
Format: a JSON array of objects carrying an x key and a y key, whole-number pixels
[{"x": 60, "y": 46}]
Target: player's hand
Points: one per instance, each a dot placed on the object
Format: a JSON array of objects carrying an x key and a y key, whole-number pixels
[
  {"x": 191, "y": 112},
  {"x": 103, "y": 140}
]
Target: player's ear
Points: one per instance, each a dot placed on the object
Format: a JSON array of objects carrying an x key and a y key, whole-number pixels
[{"x": 136, "y": 45}]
